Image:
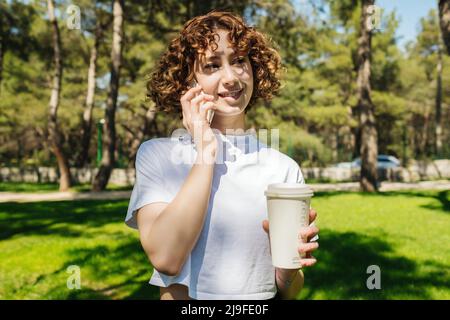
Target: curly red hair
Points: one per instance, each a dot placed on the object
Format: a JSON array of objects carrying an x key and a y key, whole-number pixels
[{"x": 174, "y": 72}]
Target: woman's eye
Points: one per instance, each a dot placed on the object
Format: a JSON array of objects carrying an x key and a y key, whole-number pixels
[
  {"x": 240, "y": 60},
  {"x": 211, "y": 66}
]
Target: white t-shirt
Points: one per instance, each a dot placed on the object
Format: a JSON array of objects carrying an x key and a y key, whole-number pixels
[{"x": 231, "y": 259}]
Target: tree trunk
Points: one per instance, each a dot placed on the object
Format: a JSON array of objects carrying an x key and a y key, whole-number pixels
[
  {"x": 3, "y": 36},
  {"x": 334, "y": 138},
  {"x": 109, "y": 137},
  {"x": 89, "y": 105},
  {"x": 438, "y": 128},
  {"x": 369, "y": 148},
  {"x": 444, "y": 17},
  {"x": 54, "y": 134},
  {"x": 424, "y": 137},
  {"x": 2, "y": 53}
]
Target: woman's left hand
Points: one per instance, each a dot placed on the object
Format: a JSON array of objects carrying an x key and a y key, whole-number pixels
[{"x": 305, "y": 247}]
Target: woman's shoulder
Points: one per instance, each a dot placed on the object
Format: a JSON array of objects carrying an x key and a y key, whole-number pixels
[
  {"x": 156, "y": 146},
  {"x": 281, "y": 158}
]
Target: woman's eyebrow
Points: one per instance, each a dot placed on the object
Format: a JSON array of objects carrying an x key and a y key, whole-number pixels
[{"x": 217, "y": 54}]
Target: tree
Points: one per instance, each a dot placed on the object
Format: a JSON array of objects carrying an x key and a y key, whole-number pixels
[
  {"x": 109, "y": 137},
  {"x": 429, "y": 47},
  {"x": 444, "y": 15},
  {"x": 101, "y": 24},
  {"x": 15, "y": 36},
  {"x": 54, "y": 134},
  {"x": 369, "y": 145}
]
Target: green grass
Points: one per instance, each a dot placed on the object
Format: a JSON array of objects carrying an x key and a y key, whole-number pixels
[
  {"x": 39, "y": 241},
  {"x": 52, "y": 187},
  {"x": 404, "y": 233}
]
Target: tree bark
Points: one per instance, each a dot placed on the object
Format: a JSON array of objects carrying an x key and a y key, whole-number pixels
[
  {"x": 2, "y": 52},
  {"x": 424, "y": 137},
  {"x": 89, "y": 104},
  {"x": 109, "y": 137},
  {"x": 369, "y": 147},
  {"x": 438, "y": 128},
  {"x": 3, "y": 40},
  {"x": 334, "y": 142},
  {"x": 444, "y": 17},
  {"x": 54, "y": 134}
]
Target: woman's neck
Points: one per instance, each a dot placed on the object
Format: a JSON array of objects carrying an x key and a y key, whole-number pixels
[{"x": 229, "y": 124}]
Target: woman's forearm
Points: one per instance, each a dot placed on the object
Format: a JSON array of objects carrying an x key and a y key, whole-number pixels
[
  {"x": 175, "y": 231},
  {"x": 289, "y": 283}
]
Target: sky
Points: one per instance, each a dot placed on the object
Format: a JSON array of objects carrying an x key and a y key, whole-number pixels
[{"x": 409, "y": 12}]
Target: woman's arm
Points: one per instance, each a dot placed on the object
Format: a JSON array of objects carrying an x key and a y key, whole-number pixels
[
  {"x": 169, "y": 236},
  {"x": 289, "y": 283}
]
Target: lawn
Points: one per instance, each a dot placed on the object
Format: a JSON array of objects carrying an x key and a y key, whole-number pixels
[{"x": 406, "y": 234}]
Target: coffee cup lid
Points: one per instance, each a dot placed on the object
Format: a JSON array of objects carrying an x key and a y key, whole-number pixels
[{"x": 289, "y": 189}]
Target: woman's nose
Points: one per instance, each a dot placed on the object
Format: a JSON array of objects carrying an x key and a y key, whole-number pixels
[{"x": 229, "y": 77}]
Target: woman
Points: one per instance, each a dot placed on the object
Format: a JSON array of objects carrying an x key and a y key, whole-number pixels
[{"x": 198, "y": 201}]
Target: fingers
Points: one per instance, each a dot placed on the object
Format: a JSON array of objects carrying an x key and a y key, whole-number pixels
[
  {"x": 203, "y": 110},
  {"x": 312, "y": 215},
  {"x": 195, "y": 103},
  {"x": 307, "y": 248},
  {"x": 307, "y": 233},
  {"x": 190, "y": 94},
  {"x": 192, "y": 107},
  {"x": 308, "y": 262},
  {"x": 266, "y": 226}
]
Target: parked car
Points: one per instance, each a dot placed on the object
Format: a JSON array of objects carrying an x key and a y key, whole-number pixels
[{"x": 383, "y": 161}]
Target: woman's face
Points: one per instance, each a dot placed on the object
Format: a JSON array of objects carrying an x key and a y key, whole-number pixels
[{"x": 227, "y": 75}]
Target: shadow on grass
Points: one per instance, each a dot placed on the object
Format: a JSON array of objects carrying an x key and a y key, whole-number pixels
[
  {"x": 104, "y": 264},
  {"x": 125, "y": 268},
  {"x": 126, "y": 259},
  {"x": 58, "y": 217},
  {"x": 341, "y": 270}
]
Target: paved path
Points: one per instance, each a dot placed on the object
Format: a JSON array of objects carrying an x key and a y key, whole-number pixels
[
  {"x": 60, "y": 196},
  {"x": 115, "y": 195}
]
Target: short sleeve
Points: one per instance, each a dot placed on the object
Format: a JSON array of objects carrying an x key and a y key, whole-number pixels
[
  {"x": 149, "y": 183},
  {"x": 294, "y": 173}
]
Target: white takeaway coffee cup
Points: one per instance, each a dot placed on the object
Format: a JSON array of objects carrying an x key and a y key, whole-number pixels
[{"x": 288, "y": 207}]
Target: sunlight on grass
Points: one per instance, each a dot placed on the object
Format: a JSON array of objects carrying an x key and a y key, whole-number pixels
[{"x": 404, "y": 233}]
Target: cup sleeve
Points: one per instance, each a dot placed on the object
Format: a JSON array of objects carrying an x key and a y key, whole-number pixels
[{"x": 149, "y": 183}]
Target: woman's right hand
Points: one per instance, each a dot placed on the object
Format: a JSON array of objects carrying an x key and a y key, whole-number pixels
[{"x": 195, "y": 106}]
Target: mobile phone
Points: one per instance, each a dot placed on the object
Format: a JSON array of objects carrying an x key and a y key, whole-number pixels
[{"x": 210, "y": 114}]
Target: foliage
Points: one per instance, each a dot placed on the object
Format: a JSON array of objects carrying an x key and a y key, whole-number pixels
[{"x": 317, "y": 41}]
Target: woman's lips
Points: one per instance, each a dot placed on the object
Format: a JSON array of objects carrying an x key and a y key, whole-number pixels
[{"x": 233, "y": 96}]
